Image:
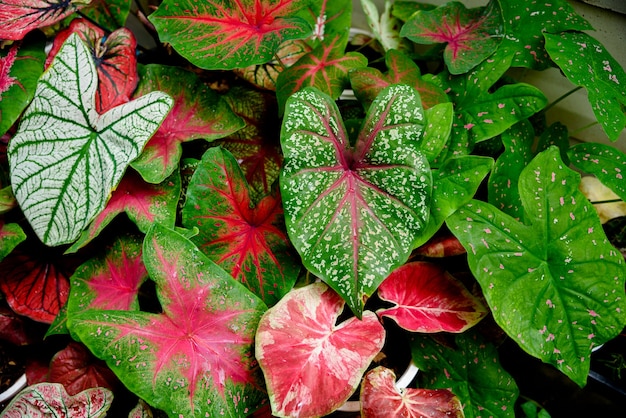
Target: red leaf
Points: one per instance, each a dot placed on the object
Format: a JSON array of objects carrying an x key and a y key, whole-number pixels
[
  {"x": 13, "y": 328},
  {"x": 36, "y": 286},
  {"x": 19, "y": 17},
  {"x": 429, "y": 299},
  {"x": 76, "y": 369},
  {"x": 311, "y": 365},
  {"x": 115, "y": 60},
  {"x": 381, "y": 399}
]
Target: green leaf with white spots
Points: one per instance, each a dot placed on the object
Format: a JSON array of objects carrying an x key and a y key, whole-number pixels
[
  {"x": 556, "y": 284},
  {"x": 605, "y": 162},
  {"x": 587, "y": 63},
  {"x": 437, "y": 131},
  {"x": 353, "y": 212},
  {"x": 65, "y": 158}
]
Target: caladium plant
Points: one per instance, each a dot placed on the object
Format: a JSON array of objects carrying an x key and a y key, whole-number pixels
[{"x": 235, "y": 233}]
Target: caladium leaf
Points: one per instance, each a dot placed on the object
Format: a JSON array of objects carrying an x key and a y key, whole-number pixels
[
  {"x": 368, "y": 82},
  {"x": 437, "y": 131},
  {"x": 20, "y": 17},
  {"x": 404, "y": 9},
  {"x": 353, "y": 212},
  {"x": 325, "y": 68},
  {"x": 429, "y": 299},
  {"x": 20, "y": 67},
  {"x": 380, "y": 398},
  {"x": 77, "y": 370},
  {"x": 607, "y": 163},
  {"x": 524, "y": 25},
  {"x": 7, "y": 200},
  {"x": 194, "y": 358},
  {"x": 66, "y": 158},
  {"x": 110, "y": 281},
  {"x": 440, "y": 246},
  {"x": 233, "y": 33},
  {"x": 50, "y": 399},
  {"x": 198, "y": 112},
  {"x": 556, "y": 285},
  {"x": 114, "y": 56},
  {"x": 247, "y": 241},
  {"x": 328, "y": 19},
  {"x": 471, "y": 35},
  {"x": 108, "y": 14},
  {"x": 10, "y": 236},
  {"x": 143, "y": 203},
  {"x": 471, "y": 370},
  {"x": 586, "y": 63},
  {"x": 142, "y": 410},
  {"x": 385, "y": 27},
  {"x": 14, "y": 328},
  {"x": 312, "y": 364}
]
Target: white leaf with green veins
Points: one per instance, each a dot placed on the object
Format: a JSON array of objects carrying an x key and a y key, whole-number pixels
[{"x": 65, "y": 158}]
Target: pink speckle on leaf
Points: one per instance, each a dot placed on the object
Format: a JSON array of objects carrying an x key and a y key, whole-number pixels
[
  {"x": 489, "y": 121},
  {"x": 480, "y": 114},
  {"x": 468, "y": 126},
  {"x": 593, "y": 313},
  {"x": 550, "y": 303},
  {"x": 501, "y": 105}
]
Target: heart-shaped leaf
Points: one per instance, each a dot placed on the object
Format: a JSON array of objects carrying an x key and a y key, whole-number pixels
[
  {"x": 66, "y": 158},
  {"x": 429, "y": 299},
  {"x": 108, "y": 14},
  {"x": 247, "y": 241},
  {"x": 353, "y": 212},
  {"x": 470, "y": 368},
  {"x": 194, "y": 358},
  {"x": 10, "y": 236},
  {"x": 20, "y": 68},
  {"x": 607, "y": 163},
  {"x": 471, "y": 35},
  {"x": 385, "y": 27},
  {"x": 312, "y": 364},
  {"x": 198, "y": 112},
  {"x": 380, "y": 397},
  {"x": 556, "y": 285},
  {"x": 232, "y": 33},
  {"x": 368, "y": 82},
  {"x": 45, "y": 400},
  {"x": 114, "y": 56},
  {"x": 587, "y": 63},
  {"x": 21, "y": 16}
]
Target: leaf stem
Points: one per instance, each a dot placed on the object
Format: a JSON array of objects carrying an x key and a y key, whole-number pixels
[
  {"x": 563, "y": 97},
  {"x": 601, "y": 202},
  {"x": 582, "y": 128}
]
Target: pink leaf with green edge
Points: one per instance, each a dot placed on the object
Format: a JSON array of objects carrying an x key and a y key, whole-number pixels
[
  {"x": 114, "y": 56},
  {"x": 247, "y": 241},
  {"x": 78, "y": 370},
  {"x": 144, "y": 203},
  {"x": 524, "y": 27},
  {"x": 368, "y": 82},
  {"x": 555, "y": 285},
  {"x": 325, "y": 68},
  {"x": 110, "y": 281},
  {"x": 21, "y": 64},
  {"x": 195, "y": 358},
  {"x": 227, "y": 34},
  {"x": 10, "y": 236},
  {"x": 108, "y": 14},
  {"x": 45, "y": 400},
  {"x": 429, "y": 299},
  {"x": 607, "y": 163},
  {"x": 380, "y": 398},
  {"x": 198, "y": 112},
  {"x": 353, "y": 212},
  {"x": 312, "y": 364},
  {"x": 257, "y": 145},
  {"x": 471, "y": 35},
  {"x": 469, "y": 367},
  {"x": 19, "y": 17},
  {"x": 587, "y": 63}
]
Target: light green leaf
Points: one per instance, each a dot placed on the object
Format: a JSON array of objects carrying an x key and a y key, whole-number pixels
[
  {"x": 605, "y": 162},
  {"x": 65, "y": 157}
]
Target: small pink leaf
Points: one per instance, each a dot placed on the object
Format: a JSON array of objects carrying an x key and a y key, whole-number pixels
[
  {"x": 429, "y": 299},
  {"x": 19, "y": 17},
  {"x": 45, "y": 400},
  {"x": 311, "y": 364},
  {"x": 380, "y": 398}
]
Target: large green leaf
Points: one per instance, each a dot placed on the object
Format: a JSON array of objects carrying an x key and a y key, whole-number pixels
[
  {"x": 603, "y": 161},
  {"x": 556, "y": 286},
  {"x": 66, "y": 158},
  {"x": 353, "y": 212},
  {"x": 586, "y": 63}
]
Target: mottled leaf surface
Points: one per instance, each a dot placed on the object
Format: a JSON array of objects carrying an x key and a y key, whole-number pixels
[
  {"x": 66, "y": 158},
  {"x": 225, "y": 34},
  {"x": 607, "y": 163},
  {"x": 19, "y": 17},
  {"x": 586, "y": 62},
  {"x": 197, "y": 112},
  {"x": 249, "y": 241},
  {"x": 428, "y": 299},
  {"x": 312, "y": 364},
  {"x": 380, "y": 398},
  {"x": 470, "y": 368},
  {"x": 45, "y": 400},
  {"x": 353, "y": 212},
  {"x": 194, "y": 358},
  {"x": 555, "y": 285}
]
